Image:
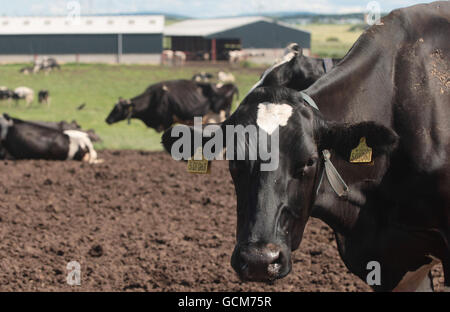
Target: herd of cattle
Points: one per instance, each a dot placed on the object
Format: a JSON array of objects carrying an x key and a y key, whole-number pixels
[
  {"x": 392, "y": 91},
  {"x": 24, "y": 93},
  {"x": 177, "y": 58}
]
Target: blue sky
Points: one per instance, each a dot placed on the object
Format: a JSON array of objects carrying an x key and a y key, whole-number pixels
[{"x": 195, "y": 8}]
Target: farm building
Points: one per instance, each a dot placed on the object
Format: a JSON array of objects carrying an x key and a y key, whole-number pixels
[
  {"x": 129, "y": 39},
  {"x": 262, "y": 37}
]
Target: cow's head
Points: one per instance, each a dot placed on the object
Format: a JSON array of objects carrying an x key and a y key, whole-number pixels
[
  {"x": 294, "y": 71},
  {"x": 274, "y": 206},
  {"x": 121, "y": 111}
]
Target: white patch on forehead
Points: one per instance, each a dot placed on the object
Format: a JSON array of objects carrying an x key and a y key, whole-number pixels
[{"x": 271, "y": 116}]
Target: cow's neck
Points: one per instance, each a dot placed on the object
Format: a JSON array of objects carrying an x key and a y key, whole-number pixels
[
  {"x": 355, "y": 218},
  {"x": 359, "y": 88}
]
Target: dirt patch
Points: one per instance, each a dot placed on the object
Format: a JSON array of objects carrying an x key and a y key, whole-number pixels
[{"x": 138, "y": 222}]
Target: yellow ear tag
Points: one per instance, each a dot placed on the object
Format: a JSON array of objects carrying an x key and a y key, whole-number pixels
[
  {"x": 198, "y": 166},
  {"x": 362, "y": 154}
]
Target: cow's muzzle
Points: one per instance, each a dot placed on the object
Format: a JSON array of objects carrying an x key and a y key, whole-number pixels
[{"x": 262, "y": 263}]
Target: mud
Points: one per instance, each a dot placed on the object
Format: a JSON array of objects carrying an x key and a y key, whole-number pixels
[{"x": 139, "y": 222}]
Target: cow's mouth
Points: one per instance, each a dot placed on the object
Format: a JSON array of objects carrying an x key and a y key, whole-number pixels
[{"x": 261, "y": 264}]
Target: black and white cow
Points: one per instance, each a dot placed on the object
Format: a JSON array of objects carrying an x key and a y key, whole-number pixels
[
  {"x": 23, "y": 93},
  {"x": 46, "y": 64},
  {"x": 27, "y": 140},
  {"x": 202, "y": 77},
  {"x": 393, "y": 210},
  {"x": 169, "y": 102}
]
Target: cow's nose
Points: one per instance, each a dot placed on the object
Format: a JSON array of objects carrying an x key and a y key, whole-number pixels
[{"x": 260, "y": 263}]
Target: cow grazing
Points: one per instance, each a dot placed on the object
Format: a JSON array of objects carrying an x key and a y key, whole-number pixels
[
  {"x": 387, "y": 100},
  {"x": 28, "y": 140},
  {"x": 23, "y": 93},
  {"x": 168, "y": 102},
  {"x": 44, "y": 97},
  {"x": 46, "y": 64}
]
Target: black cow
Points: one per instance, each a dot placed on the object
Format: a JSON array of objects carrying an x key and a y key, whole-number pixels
[
  {"x": 296, "y": 71},
  {"x": 393, "y": 209},
  {"x": 64, "y": 125},
  {"x": 44, "y": 97},
  {"x": 27, "y": 140},
  {"x": 168, "y": 102}
]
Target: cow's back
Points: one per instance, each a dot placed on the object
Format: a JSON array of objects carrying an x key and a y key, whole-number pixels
[
  {"x": 186, "y": 98},
  {"x": 422, "y": 80},
  {"x": 28, "y": 141}
]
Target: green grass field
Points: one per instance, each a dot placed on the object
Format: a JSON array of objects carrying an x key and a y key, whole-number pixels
[
  {"x": 329, "y": 40},
  {"x": 99, "y": 86}
]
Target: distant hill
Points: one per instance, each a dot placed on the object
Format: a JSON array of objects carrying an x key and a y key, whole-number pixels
[{"x": 167, "y": 15}]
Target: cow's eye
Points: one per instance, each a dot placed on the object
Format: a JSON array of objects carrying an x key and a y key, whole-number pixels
[{"x": 311, "y": 162}]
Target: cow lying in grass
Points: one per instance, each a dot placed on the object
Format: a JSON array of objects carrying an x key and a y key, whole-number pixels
[{"x": 27, "y": 140}]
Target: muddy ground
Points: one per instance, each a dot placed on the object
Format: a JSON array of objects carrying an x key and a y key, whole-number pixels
[{"x": 139, "y": 222}]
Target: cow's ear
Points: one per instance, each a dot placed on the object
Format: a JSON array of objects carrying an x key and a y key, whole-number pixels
[
  {"x": 179, "y": 140},
  {"x": 343, "y": 138},
  {"x": 293, "y": 48}
]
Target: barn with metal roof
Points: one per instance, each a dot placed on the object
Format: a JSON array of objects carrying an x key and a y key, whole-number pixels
[
  {"x": 86, "y": 38},
  {"x": 219, "y": 35}
]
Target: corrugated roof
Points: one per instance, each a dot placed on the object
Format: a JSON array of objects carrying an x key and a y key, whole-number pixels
[
  {"x": 147, "y": 24},
  {"x": 206, "y": 27}
]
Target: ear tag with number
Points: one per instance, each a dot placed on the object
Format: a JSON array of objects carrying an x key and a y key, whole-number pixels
[
  {"x": 198, "y": 166},
  {"x": 362, "y": 154}
]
